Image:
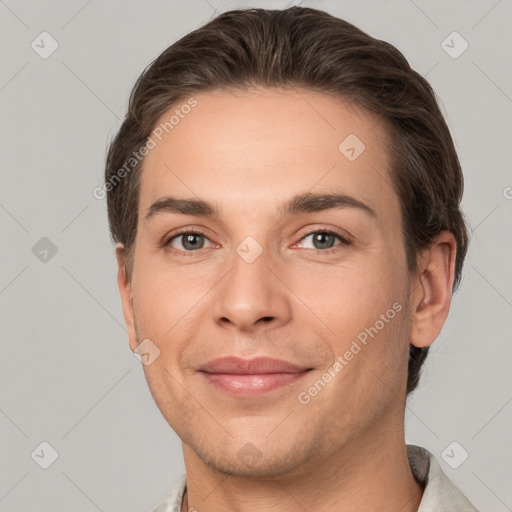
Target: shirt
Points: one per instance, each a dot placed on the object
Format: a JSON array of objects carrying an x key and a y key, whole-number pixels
[{"x": 439, "y": 495}]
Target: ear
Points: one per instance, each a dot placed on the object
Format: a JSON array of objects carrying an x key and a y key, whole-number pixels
[
  {"x": 432, "y": 292},
  {"x": 126, "y": 296}
]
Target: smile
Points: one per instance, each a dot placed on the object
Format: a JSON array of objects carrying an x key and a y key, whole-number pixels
[{"x": 250, "y": 378}]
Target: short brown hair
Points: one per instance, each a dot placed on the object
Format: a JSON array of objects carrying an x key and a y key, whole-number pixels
[{"x": 308, "y": 48}]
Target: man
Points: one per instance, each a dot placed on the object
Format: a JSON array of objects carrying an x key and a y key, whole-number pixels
[{"x": 284, "y": 194}]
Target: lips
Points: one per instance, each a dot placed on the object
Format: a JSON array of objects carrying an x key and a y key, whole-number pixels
[{"x": 240, "y": 377}]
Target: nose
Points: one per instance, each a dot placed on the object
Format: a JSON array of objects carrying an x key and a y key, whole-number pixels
[{"x": 252, "y": 297}]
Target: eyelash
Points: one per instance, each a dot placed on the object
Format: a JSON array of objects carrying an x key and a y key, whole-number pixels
[{"x": 343, "y": 239}]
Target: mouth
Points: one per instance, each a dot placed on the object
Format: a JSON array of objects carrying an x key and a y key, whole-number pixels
[{"x": 240, "y": 377}]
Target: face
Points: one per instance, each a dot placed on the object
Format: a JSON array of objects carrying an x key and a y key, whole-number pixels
[{"x": 270, "y": 272}]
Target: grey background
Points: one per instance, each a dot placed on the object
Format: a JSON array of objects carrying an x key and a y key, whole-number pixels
[{"x": 67, "y": 376}]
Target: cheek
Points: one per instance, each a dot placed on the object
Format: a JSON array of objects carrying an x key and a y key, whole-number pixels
[
  {"x": 350, "y": 297},
  {"x": 162, "y": 298}
]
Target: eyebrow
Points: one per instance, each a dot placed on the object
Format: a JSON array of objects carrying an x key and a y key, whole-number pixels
[{"x": 302, "y": 203}]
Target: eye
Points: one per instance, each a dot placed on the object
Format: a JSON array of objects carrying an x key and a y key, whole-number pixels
[
  {"x": 323, "y": 240},
  {"x": 187, "y": 241}
]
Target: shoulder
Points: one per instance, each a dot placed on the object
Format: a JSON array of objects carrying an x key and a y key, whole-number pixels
[
  {"x": 172, "y": 502},
  {"x": 440, "y": 494}
]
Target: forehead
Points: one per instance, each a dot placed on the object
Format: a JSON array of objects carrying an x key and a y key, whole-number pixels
[{"x": 258, "y": 145}]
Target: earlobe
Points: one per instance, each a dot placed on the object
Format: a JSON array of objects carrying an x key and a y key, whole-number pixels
[
  {"x": 431, "y": 297},
  {"x": 125, "y": 291}
]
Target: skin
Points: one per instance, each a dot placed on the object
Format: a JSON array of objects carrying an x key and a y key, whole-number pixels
[{"x": 247, "y": 153}]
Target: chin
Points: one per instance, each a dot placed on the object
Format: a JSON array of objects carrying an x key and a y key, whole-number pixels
[
  {"x": 252, "y": 456},
  {"x": 264, "y": 468}
]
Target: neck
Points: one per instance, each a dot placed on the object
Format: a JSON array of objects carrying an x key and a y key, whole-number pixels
[{"x": 368, "y": 473}]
